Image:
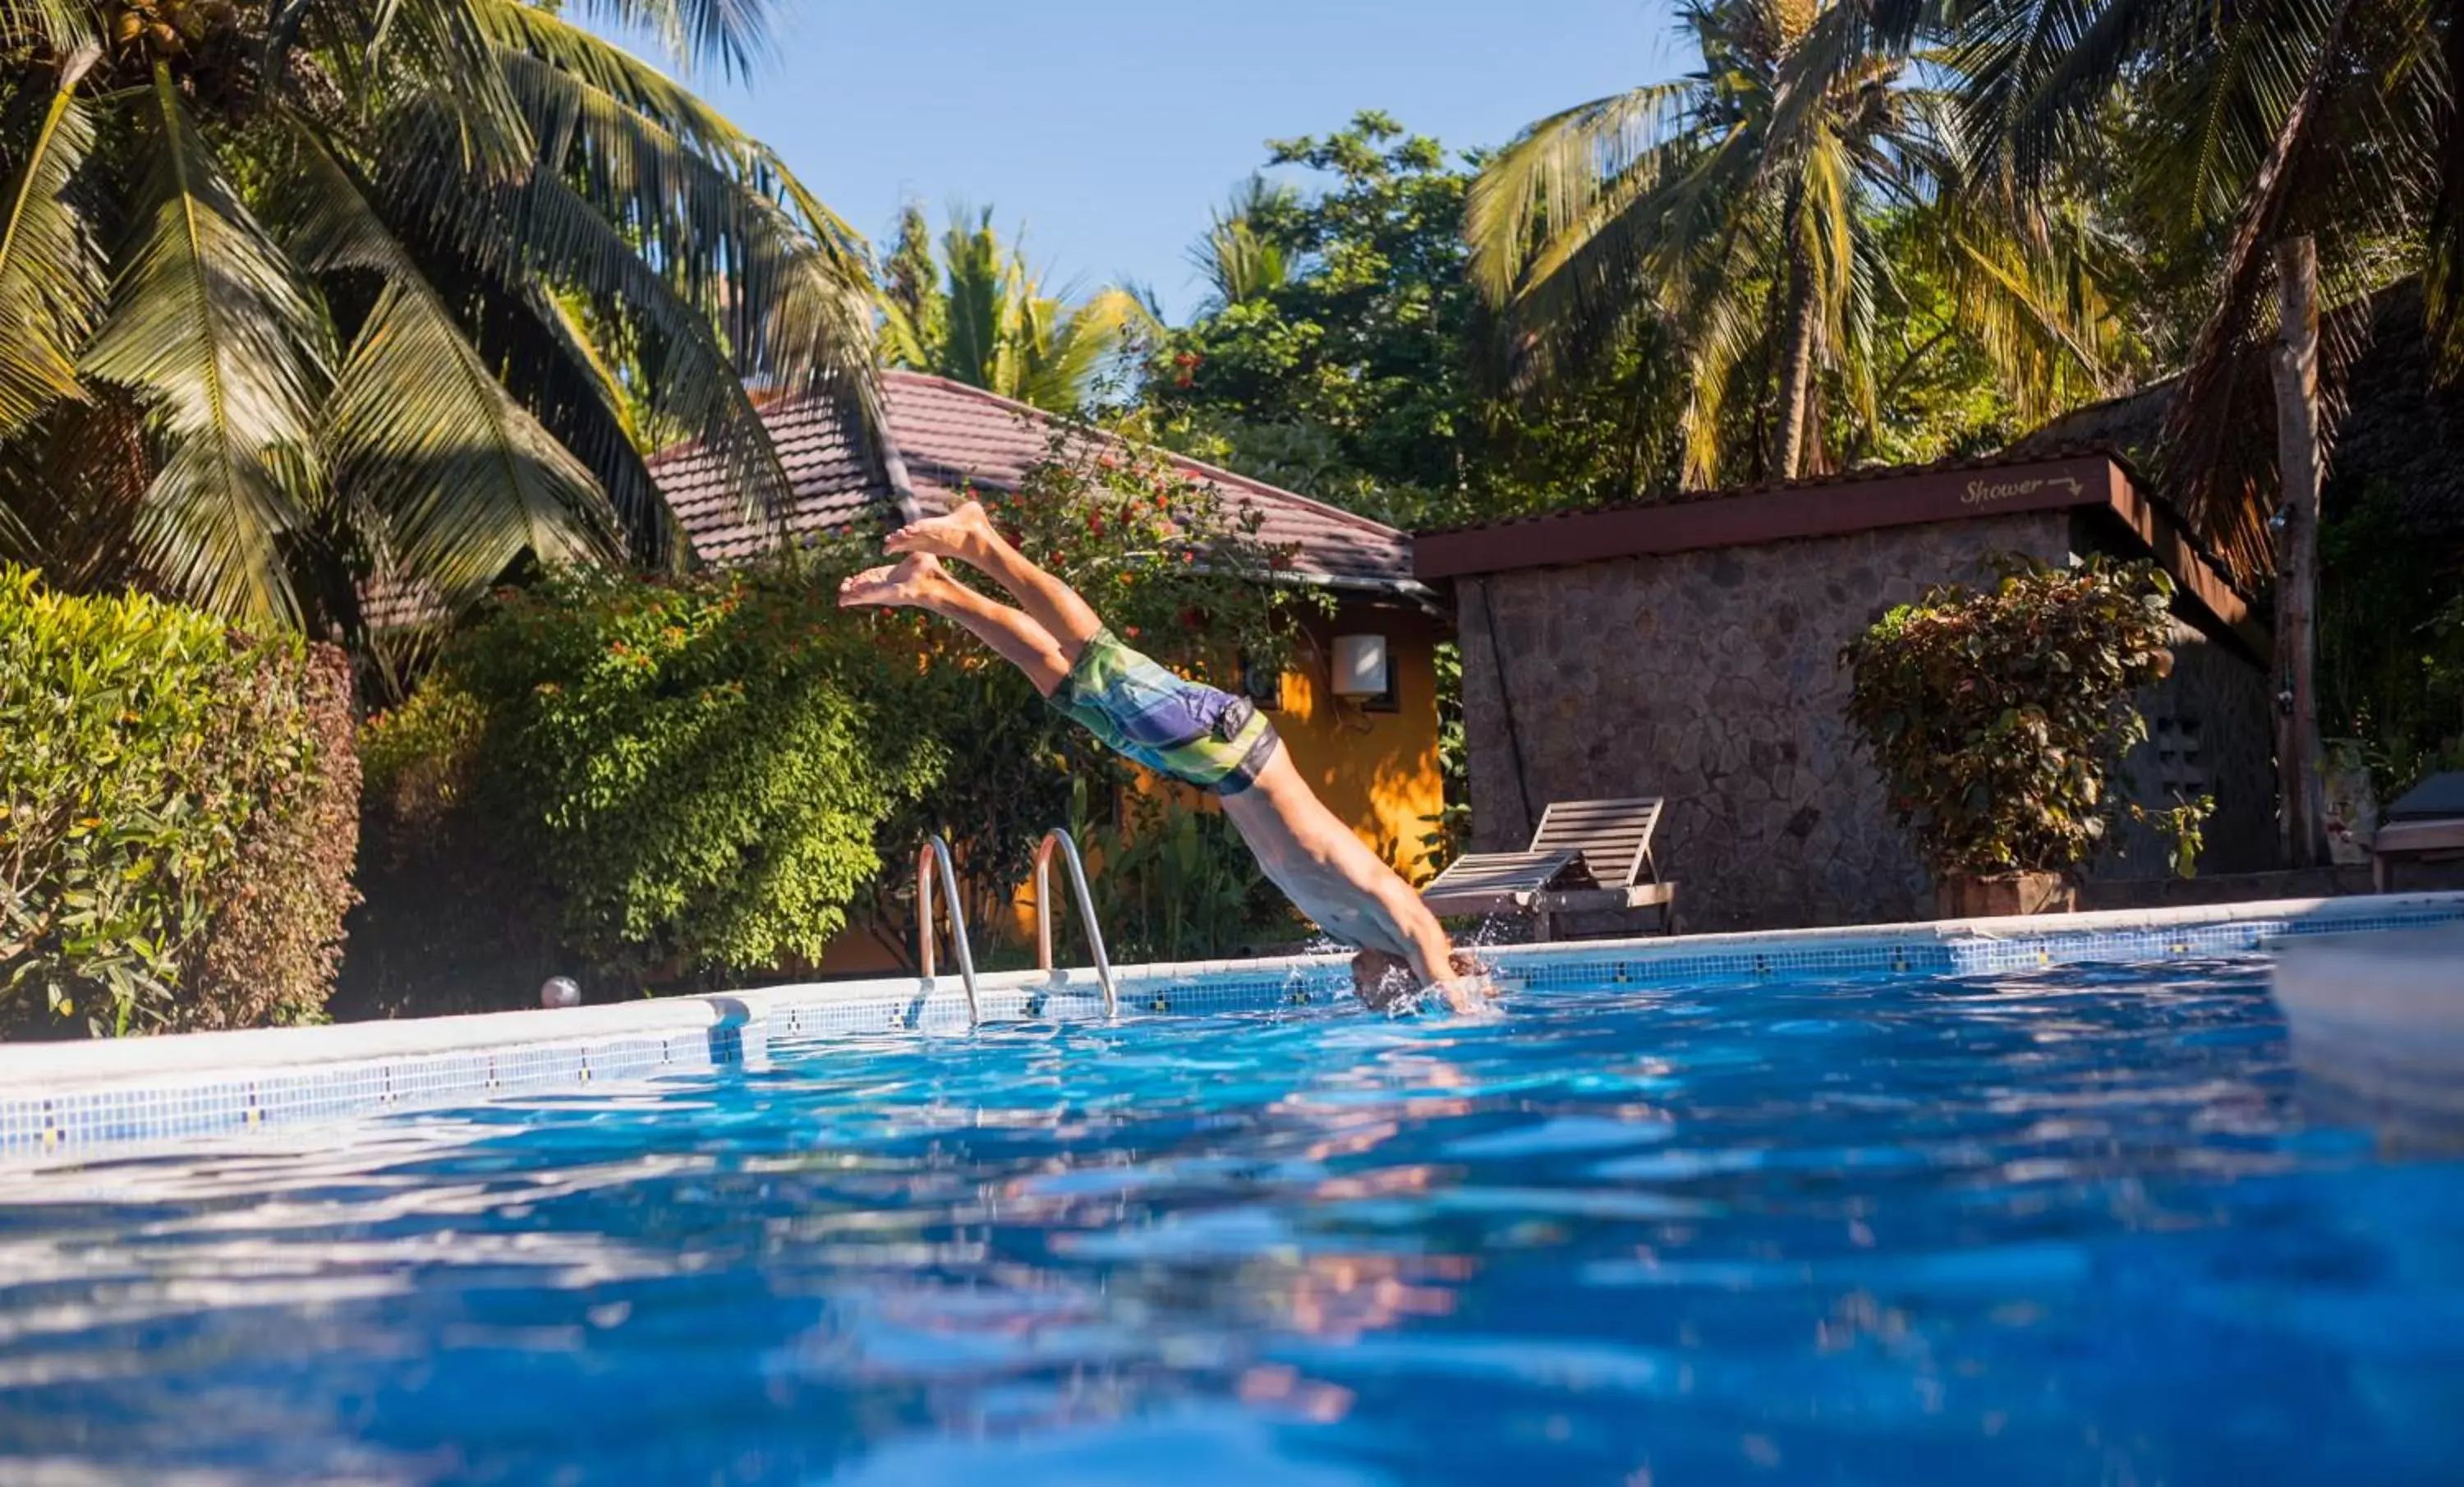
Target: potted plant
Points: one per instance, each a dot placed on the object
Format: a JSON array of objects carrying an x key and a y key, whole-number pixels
[{"x": 2000, "y": 717}]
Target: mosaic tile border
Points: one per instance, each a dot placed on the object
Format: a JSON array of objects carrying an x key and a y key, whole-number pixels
[{"x": 138, "y": 1092}]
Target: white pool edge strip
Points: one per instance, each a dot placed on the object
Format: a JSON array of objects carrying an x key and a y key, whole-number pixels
[{"x": 29, "y": 1067}]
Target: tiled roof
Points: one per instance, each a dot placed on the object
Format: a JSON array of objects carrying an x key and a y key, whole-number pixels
[
  {"x": 820, "y": 442},
  {"x": 953, "y": 436},
  {"x": 949, "y": 437},
  {"x": 944, "y": 437}
]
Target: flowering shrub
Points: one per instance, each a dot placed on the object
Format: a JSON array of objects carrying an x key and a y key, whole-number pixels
[
  {"x": 1172, "y": 567},
  {"x": 2000, "y": 717},
  {"x": 1173, "y": 570},
  {"x": 177, "y": 817}
]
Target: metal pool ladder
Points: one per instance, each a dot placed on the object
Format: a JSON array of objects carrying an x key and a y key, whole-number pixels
[
  {"x": 937, "y": 852},
  {"x": 1058, "y": 836}
]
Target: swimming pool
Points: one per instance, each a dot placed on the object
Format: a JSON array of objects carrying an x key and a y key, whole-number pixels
[{"x": 2067, "y": 1225}]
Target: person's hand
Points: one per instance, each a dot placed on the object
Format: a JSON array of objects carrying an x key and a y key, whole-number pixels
[{"x": 1469, "y": 992}]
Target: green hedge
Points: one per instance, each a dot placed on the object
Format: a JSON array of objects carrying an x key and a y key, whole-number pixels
[
  {"x": 181, "y": 816},
  {"x": 665, "y": 778}
]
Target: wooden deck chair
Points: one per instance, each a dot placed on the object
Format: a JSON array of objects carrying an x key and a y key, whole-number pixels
[
  {"x": 1588, "y": 857},
  {"x": 2426, "y": 825}
]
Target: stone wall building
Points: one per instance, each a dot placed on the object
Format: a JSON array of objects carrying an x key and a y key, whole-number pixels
[{"x": 1690, "y": 651}]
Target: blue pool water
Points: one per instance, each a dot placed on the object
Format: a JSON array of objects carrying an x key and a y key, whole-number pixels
[{"x": 2081, "y": 1226}]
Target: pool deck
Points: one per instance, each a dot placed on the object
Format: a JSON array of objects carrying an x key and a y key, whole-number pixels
[{"x": 59, "y": 1099}]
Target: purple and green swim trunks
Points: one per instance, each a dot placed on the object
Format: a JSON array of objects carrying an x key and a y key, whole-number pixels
[{"x": 1175, "y": 727}]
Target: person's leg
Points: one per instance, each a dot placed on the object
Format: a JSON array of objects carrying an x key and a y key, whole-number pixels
[
  {"x": 917, "y": 583},
  {"x": 968, "y": 536}
]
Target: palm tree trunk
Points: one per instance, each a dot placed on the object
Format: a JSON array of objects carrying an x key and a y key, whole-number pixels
[
  {"x": 2296, "y": 365},
  {"x": 1797, "y": 371}
]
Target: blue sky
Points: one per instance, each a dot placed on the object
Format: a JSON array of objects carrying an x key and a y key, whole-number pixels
[{"x": 1111, "y": 128}]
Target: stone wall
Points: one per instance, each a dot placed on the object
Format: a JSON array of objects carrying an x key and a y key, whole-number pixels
[
  {"x": 1713, "y": 679},
  {"x": 2209, "y": 732}
]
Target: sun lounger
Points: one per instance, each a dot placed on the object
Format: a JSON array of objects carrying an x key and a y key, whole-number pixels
[
  {"x": 2426, "y": 825},
  {"x": 1588, "y": 857}
]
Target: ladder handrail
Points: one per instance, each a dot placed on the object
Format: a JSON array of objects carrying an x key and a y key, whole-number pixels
[
  {"x": 1058, "y": 836},
  {"x": 935, "y": 850}
]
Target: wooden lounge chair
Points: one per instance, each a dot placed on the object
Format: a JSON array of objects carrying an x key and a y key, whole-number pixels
[
  {"x": 2425, "y": 825},
  {"x": 1588, "y": 857}
]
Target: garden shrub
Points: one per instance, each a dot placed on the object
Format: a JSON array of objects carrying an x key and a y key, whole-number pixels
[
  {"x": 649, "y": 780},
  {"x": 2000, "y": 717},
  {"x": 181, "y": 815},
  {"x": 681, "y": 776}
]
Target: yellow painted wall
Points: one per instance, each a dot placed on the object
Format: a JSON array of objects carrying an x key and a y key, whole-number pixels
[
  {"x": 1375, "y": 770},
  {"x": 1378, "y": 770}
]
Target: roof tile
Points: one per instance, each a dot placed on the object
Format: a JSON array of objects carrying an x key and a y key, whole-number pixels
[{"x": 949, "y": 438}]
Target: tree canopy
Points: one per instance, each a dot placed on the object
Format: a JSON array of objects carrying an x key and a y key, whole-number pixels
[{"x": 303, "y": 295}]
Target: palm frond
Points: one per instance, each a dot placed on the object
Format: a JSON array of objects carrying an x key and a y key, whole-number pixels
[
  {"x": 62, "y": 26},
  {"x": 2309, "y": 181},
  {"x": 1551, "y": 178},
  {"x": 457, "y": 479},
  {"x": 2035, "y": 309},
  {"x": 1061, "y": 356},
  {"x": 51, "y": 279},
  {"x": 2443, "y": 270},
  {"x": 791, "y": 303},
  {"x": 1240, "y": 259},
  {"x": 1642, "y": 240},
  {"x": 207, "y": 327},
  {"x": 441, "y": 50},
  {"x": 545, "y": 231},
  {"x": 2035, "y": 70},
  {"x": 731, "y": 34},
  {"x": 1718, "y": 338}
]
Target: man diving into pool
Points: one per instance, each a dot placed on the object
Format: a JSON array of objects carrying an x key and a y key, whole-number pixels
[{"x": 1179, "y": 728}]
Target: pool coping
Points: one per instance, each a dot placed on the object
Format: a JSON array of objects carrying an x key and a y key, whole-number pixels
[{"x": 87, "y": 1095}]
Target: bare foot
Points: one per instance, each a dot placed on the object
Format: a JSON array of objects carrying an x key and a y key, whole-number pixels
[
  {"x": 963, "y": 534},
  {"x": 910, "y": 583}
]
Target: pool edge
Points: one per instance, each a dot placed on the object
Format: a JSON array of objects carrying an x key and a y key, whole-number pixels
[{"x": 89, "y": 1096}]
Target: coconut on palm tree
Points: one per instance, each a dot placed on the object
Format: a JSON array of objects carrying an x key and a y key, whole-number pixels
[
  {"x": 1740, "y": 207},
  {"x": 989, "y": 322},
  {"x": 302, "y": 292}
]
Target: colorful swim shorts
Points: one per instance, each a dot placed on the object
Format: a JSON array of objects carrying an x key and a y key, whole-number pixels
[{"x": 1173, "y": 725}]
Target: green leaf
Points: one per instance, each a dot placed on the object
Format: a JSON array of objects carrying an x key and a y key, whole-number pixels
[
  {"x": 52, "y": 283},
  {"x": 208, "y": 328},
  {"x": 457, "y": 478}
]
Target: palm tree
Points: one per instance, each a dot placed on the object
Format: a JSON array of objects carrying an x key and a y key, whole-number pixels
[
  {"x": 302, "y": 292},
  {"x": 2311, "y": 140},
  {"x": 2256, "y": 124},
  {"x": 1741, "y": 204},
  {"x": 990, "y": 324},
  {"x": 1241, "y": 258}
]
